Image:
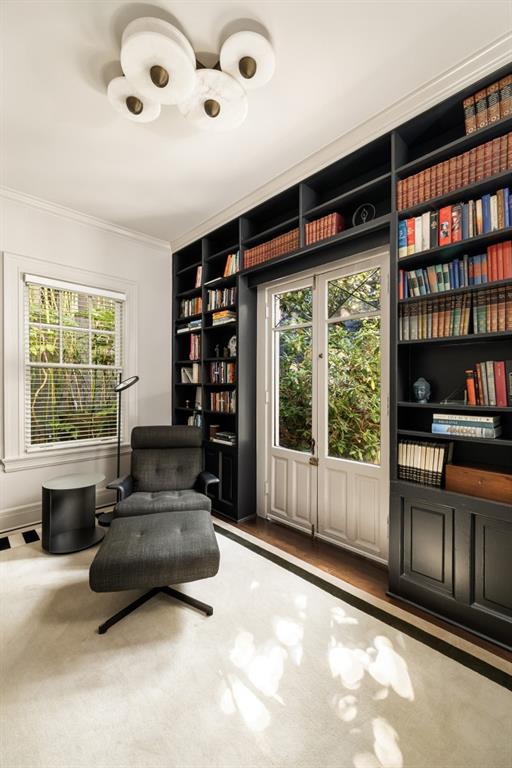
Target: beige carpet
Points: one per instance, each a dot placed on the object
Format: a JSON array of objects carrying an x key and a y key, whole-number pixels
[{"x": 283, "y": 674}]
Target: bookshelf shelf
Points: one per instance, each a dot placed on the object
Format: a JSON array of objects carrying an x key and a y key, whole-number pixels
[
  {"x": 455, "y": 407},
  {"x": 456, "y": 147},
  {"x": 186, "y": 362},
  {"x": 455, "y": 291},
  {"x": 188, "y": 384},
  {"x": 490, "y": 184},
  {"x": 220, "y": 309},
  {"x": 471, "y": 337},
  {"x": 445, "y": 253},
  {"x": 457, "y": 438},
  {"x": 369, "y": 175}
]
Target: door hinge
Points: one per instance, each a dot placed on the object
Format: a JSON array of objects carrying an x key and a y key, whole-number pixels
[
  {"x": 266, "y": 487},
  {"x": 267, "y": 397}
]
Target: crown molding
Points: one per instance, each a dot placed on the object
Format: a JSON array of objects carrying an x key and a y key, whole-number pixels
[
  {"x": 478, "y": 65},
  {"x": 82, "y": 218}
]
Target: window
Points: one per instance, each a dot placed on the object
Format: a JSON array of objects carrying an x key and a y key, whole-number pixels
[{"x": 73, "y": 360}]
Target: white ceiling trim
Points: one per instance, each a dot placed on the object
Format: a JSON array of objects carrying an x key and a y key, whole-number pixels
[
  {"x": 483, "y": 62},
  {"x": 81, "y": 218}
]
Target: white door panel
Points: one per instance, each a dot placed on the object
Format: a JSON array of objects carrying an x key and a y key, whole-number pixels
[{"x": 333, "y": 504}]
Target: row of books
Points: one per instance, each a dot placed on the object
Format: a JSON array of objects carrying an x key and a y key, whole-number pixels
[
  {"x": 221, "y": 298},
  {"x": 489, "y": 311},
  {"x": 325, "y": 227},
  {"x": 490, "y": 383},
  {"x": 488, "y": 427},
  {"x": 199, "y": 277},
  {"x": 223, "y": 402},
  {"x": 223, "y": 317},
  {"x": 222, "y": 373},
  {"x": 232, "y": 264},
  {"x": 454, "y": 223},
  {"x": 191, "y": 307},
  {"x": 192, "y": 325},
  {"x": 478, "y": 163},
  {"x": 423, "y": 462},
  {"x": 278, "y": 246},
  {"x": 190, "y": 374},
  {"x": 489, "y": 267},
  {"x": 488, "y": 105},
  {"x": 195, "y": 346}
]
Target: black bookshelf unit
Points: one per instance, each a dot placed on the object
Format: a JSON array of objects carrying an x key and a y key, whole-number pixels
[{"x": 449, "y": 553}]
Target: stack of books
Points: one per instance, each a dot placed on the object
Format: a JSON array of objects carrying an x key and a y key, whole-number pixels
[
  {"x": 278, "y": 246},
  {"x": 190, "y": 307},
  {"x": 223, "y": 402},
  {"x": 490, "y": 383},
  {"x": 195, "y": 347},
  {"x": 221, "y": 298},
  {"x": 225, "y": 438},
  {"x": 221, "y": 318},
  {"x": 190, "y": 375},
  {"x": 454, "y": 223},
  {"x": 222, "y": 373},
  {"x": 476, "y": 164},
  {"x": 192, "y": 325},
  {"x": 232, "y": 264},
  {"x": 492, "y": 310},
  {"x": 422, "y": 462},
  {"x": 489, "y": 267},
  {"x": 199, "y": 275},
  {"x": 327, "y": 226},
  {"x": 488, "y": 105},
  {"x": 466, "y": 425}
]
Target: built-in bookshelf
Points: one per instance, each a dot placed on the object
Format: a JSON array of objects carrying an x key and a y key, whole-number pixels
[{"x": 445, "y": 546}]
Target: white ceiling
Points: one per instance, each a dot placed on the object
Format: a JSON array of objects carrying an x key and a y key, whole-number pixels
[{"x": 338, "y": 63}]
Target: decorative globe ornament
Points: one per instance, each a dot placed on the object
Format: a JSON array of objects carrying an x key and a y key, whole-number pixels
[
  {"x": 217, "y": 102},
  {"x": 130, "y": 102},
  {"x": 249, "y": 58},
  {"x": 158, "y": 60}
]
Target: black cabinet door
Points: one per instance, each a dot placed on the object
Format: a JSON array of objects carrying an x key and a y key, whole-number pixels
[
  {"x": 428, "y": 531},
  {"x": 492, "y": 566},
  {"x": 223, "y": 464}
]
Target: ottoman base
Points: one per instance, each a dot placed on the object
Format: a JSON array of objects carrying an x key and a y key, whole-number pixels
[{"x": 207, "y": 609}]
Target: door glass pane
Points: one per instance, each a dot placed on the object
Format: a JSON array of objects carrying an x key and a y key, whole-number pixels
[
  {"x": 293, "y": 307},
  {"x": 354, "y": 390},
  {"x": 294, "y": 388},
  {"x": 354, "y": 294}
]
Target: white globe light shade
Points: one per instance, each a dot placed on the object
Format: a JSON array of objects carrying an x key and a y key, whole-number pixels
[
  {"x": 122, "y": 95},
  {"x": 218, "y": 102},
  {"x": 158, "y": 60},
  {"x": 249, "y": 58}
]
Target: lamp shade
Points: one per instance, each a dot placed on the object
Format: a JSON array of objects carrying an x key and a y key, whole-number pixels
[
  {"x": 217, "y": 103},
  {"x": 158, "y": 60},
  {"x": 130, "y": 102},
  {"x": 249, "y": 58}
]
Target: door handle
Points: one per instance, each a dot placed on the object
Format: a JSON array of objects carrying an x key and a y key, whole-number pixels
[{"x": 313, "y": 461}]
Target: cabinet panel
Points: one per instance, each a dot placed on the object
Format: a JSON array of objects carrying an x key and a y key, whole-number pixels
[
  {"x": 428, "y": 544},
  {"x": 492, "y": 571}
]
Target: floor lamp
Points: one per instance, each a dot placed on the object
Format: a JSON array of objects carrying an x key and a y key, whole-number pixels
[{"x": 106, "y": 517}]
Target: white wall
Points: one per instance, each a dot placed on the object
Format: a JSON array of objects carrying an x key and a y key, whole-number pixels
[{"x": 57, "y": 238}]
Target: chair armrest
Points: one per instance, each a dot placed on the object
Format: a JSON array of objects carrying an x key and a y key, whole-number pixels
[
  {"x": 204, "y": 479},
  {"x": 123, "y": 486}
]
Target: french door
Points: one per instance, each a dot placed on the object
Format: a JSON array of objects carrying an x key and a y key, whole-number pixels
[{"x": 326, "y": 411}]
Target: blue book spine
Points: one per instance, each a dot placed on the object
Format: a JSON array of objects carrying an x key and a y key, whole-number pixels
[
  {"x": 506, "y": 200},
  {"x": 486, "y": 212},
  {"x": 452, "y": 275},
  {"x": 456, "y": 273},
  {"x": 402, "y": 238},
  {"x": 477, "y": 270},
  {"x": 465, "y": 221}
]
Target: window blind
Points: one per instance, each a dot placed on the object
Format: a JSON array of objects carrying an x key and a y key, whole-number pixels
[{"x": 73, "y": 360}]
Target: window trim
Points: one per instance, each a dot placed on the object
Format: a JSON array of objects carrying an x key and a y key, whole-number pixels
[{"x": 14, "y": 454}]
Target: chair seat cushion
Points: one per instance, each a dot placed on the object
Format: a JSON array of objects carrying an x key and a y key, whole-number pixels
[
  {"x": 148, "y": 503},
  {"x": 155, "y": 551}
]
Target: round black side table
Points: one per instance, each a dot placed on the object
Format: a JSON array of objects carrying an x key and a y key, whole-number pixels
[{"x": 69, "y": 522}]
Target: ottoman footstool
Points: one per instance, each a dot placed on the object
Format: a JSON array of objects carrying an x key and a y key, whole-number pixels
[{"x": 153, "y": 551}]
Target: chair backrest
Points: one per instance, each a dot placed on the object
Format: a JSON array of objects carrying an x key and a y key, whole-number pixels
[{"x": 166, "y": 458}]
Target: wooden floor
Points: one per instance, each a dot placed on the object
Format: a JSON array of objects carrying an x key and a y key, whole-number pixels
[{"x": 356, "y": 570}]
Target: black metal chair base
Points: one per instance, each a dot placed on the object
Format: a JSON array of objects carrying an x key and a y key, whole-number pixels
[
  {"x": 105, "y": 519},
  {"x": 207, "y": 609}
]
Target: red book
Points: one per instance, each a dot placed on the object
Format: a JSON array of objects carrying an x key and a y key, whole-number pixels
[
  {"x": 491, "y": 259},
  {"x": 500, "y": 275},
  {"x": 507, "y": 259},
  {"x": 456, "y": 223},
  {"x": 500, "y": 384},
  {"x": 470, "y": 387},
  {"x": 410, "y": 236},
  {"x": 445, "y": 225}
]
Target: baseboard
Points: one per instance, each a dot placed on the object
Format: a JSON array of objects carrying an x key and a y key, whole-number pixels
[{"x": 30, "y": 514}]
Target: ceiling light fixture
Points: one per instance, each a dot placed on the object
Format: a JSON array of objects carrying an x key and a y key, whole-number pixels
[{"x": 160, "y": 67}]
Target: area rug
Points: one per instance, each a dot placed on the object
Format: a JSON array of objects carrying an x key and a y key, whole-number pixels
[{"x": 284, "y": 674}]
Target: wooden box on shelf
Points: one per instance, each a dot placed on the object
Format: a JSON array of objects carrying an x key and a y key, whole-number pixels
[{"x": 474, "y": 481}]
